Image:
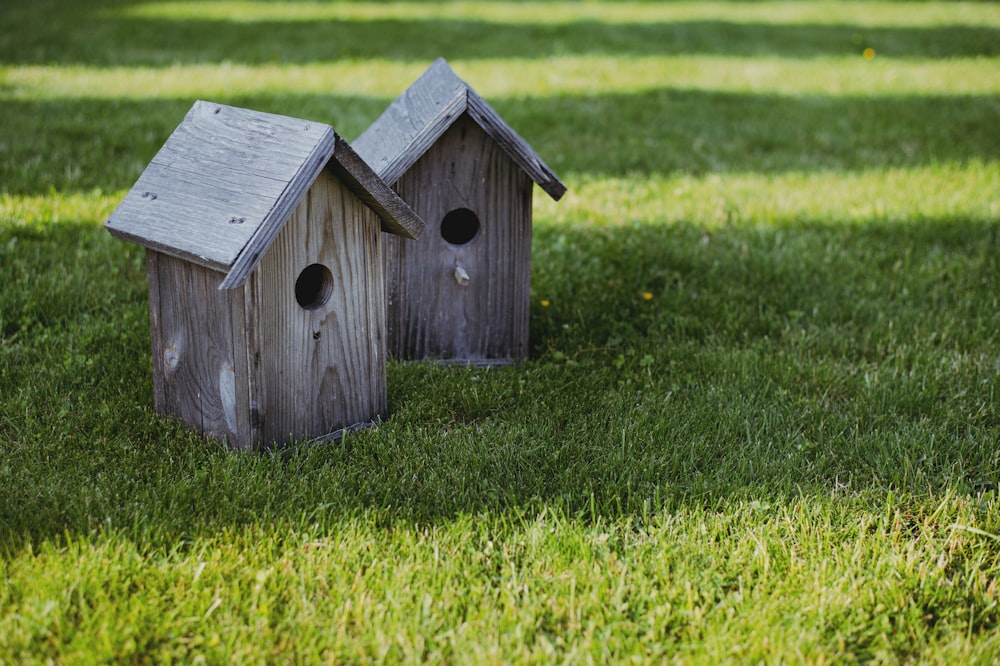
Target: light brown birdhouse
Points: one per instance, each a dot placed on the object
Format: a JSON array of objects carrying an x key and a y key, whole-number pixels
[
  {"x": 266, "y": 293},
  {"x": 462, "y": 292}
]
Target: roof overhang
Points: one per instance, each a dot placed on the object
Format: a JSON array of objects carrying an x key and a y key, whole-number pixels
[
  {"x": 227, "y": 180},
  {"x": 416, "y": 120}
]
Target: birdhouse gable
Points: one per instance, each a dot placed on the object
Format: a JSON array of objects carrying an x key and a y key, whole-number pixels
[
  {"x": 395, "y": 214},
  {"x": 226, "y": 181},
  {"x": 425, "y": 111}
]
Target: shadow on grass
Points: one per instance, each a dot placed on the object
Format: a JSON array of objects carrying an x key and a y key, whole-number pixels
[
  {"x": 89, "y": 38},
  {"x": 81, "y": 145},
  {"x": 813, "y": 359}
]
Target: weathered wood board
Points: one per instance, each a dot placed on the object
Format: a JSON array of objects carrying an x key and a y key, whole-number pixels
[
  {"x": 226, "y": 180},
  {"x": 193, "y": 333},
  {"x": 463, "y": 298},
  {"x": 324, "y": 366},
  {"x": 222, "y": 184},
  {"x": 482, "y": 316},
  {"x": 266, "y": 292},
  {"x": 423, "y": 112}
]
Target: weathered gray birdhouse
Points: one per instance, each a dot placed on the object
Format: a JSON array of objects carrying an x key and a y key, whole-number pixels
[
  {"x": 266, "y": 294},
  {"x": 462, "y": 292}
]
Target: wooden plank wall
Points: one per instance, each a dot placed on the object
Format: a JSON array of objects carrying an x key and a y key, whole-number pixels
[
  {"x": 192, "y": 325},
  {"x": 323, "y": 369},
  {"x": 249, "y": 364},
  {"x": 431, "y": 314}
]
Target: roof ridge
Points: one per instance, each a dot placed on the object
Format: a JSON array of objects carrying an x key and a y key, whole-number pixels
[
  {"x": 425, "y": 110},
  {"x": 226, "y": 181}
]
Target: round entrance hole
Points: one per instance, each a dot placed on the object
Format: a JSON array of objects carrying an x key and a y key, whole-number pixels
[
  {"x": 313, "y": 286},
  {"x": 459, "y": 226}
]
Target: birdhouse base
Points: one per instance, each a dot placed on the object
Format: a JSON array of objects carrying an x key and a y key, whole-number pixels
[
  {"x": 333, "y": 437},
  {"x": 466, "y": 362}
]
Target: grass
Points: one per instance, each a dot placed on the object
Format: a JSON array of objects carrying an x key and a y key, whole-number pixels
[
  {"x": 760, "y": 420},
  {"x": 533, "y": 586}
]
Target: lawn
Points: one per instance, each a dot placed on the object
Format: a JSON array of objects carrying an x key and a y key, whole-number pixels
[{"x": 760, "y": 421}]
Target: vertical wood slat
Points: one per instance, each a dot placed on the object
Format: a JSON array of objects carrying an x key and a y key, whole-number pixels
[
  {"x": 234, "y": 355},
  {"x": 323, "y": 367},
  {"x": 430, "y": 313},
  {"x": 247, "y": 433},
  {"x": 156, "y": 331},
  {"x": 193, "y": 360}
]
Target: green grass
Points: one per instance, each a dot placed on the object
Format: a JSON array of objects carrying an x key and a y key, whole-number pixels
[
  {"x": 794, "y": 580},
  {"x": 760, "y": 420}
]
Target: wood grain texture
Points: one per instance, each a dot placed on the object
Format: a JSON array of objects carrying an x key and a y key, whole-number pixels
[
  {"x": 266, "y": 232},
  {"x": 221, "y": 186},
  {"x": 225, "y": 182},
  {"x": 195, "y": 377},
  {"x": 252, "y": 366},
  {"x": 413, "y": 122},
  {"x": 249, "y": 389},
  {"x": 396, "y": 216},
  {"x": 323, "y": 369},
  {"x": 481, "y": 316},
  {"x": 423, "y": 113},
  {"x": 516, "y": 147}
]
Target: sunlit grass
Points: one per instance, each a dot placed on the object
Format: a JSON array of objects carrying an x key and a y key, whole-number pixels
[
  {"x": 966, "y": 191},
  {"x": 828, "y": 12},
  {"x": 546, "y": 77},
  {"x": 56, "y": 207},
  {"x": 828, "y": 577},
  {"x": 758, "y": 423}
]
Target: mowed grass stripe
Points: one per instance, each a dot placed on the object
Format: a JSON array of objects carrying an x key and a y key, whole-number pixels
[
  {"x": 759, "y": 420},
  {"x": 550, "y": 77},
  {"x": 866, "y": 14},
  {"x": 969, "y": 191},
  {"x": 819, "y": 577}
]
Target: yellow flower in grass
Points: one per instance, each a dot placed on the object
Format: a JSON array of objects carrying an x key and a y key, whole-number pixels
[
  {"x": 869, "y": 53},
  {"x": 647, "y": 295},
  {"x": 546, "y": 303}
]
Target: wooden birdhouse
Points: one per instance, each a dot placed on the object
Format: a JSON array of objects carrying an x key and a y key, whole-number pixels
[
  {"x": 462, "y": 292},
  {"x": 266, "y": 294}
]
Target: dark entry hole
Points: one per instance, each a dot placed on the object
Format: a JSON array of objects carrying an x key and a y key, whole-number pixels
[
  {"x": 313, "y": 286},
  {"x": 459, "y": 226}
]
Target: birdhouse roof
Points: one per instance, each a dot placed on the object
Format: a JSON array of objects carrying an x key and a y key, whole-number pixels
[
  {"x": 226, "y": 181},
  {"x": 425, "y": 110}
]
